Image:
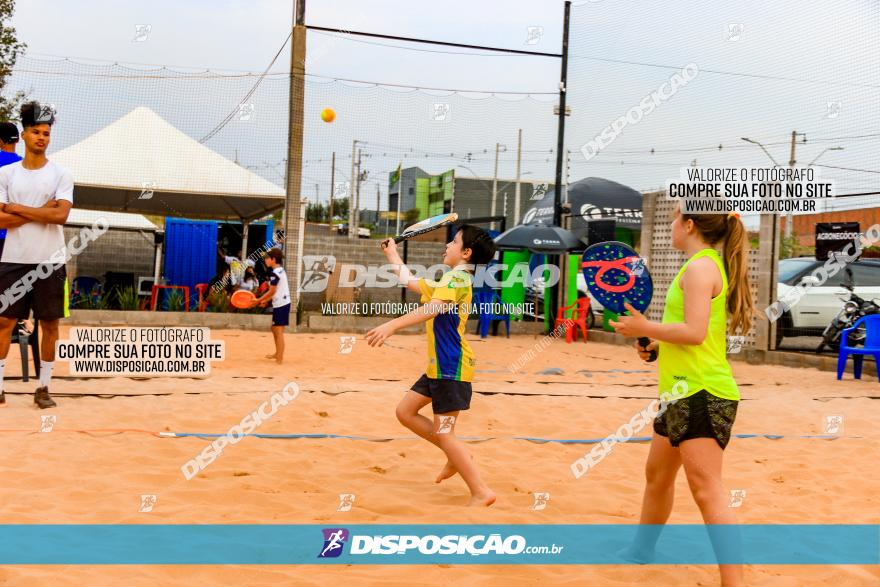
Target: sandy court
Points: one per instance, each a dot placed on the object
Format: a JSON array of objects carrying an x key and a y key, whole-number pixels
[{"x": 97, "y": 477}]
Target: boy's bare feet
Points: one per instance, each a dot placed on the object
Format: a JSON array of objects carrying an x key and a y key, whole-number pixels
[
  {"x": 448, "y": 471},
  {"x": 484, "y": 499}
]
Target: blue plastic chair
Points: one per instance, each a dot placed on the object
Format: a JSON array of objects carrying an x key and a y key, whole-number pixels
[
  {"x": 872, "y": 346},
  {"x": 85, "y": 287},
  {"x": 486, "y": 318}
]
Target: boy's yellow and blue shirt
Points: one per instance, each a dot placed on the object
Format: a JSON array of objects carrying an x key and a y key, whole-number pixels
[{"x": 449, "y": 354}]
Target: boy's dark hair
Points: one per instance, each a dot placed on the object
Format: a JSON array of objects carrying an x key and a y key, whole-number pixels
[
  {"x": 33, "y": 113},
  {"x": 479, "y": 242},
  {"x": 276, "y": 255}
]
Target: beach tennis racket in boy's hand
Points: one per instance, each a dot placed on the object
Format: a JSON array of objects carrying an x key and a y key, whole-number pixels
[
  {"x": 243, "y": 299},
  {"x": 615, "y": 274},
  {"x": 426, "y": 225}
]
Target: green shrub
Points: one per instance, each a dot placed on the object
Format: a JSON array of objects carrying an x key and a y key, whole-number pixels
[
  {"x": 175, "y": 301},
  {"x": 218, "y": 301},
  {"x": 127, "y": 299}
]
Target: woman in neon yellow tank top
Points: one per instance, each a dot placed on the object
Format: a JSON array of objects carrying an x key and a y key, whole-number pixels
[{"x": 691, "y": 341}]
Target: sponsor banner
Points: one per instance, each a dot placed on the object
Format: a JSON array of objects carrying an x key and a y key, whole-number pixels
[{"x": 531, "y": 544}]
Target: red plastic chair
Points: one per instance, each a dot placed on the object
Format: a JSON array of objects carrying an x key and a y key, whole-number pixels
[
  {"x": 574, "y": 316},
  {"x": 202, "y": 290},
  {"x": 154, "y": 297}
]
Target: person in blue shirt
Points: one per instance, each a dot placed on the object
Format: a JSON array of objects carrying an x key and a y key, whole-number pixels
[{"x": 8, "y": 141}]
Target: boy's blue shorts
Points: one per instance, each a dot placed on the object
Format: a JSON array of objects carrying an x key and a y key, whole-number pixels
[{"x": 281, "y": 316}]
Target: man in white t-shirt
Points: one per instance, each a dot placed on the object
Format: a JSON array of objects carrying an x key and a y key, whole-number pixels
[
  {"x": 36, "y": 196},
  {"x": 279, "y": 294}
]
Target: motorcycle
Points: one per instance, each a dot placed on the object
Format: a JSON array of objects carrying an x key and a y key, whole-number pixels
[{"x": 854, "y": 307}]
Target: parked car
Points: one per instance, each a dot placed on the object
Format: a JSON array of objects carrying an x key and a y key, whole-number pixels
[
  {"x": 821, "y": 302},
  {"x": 362, "y": 232}
]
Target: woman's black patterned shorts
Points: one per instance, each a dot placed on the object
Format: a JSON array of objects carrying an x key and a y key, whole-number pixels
[{"x": 701, "y": 415}]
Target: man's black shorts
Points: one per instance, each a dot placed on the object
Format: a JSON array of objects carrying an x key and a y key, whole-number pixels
[
  {"x": 446, "y": 395},
  {"x": 26, "y": 286}
]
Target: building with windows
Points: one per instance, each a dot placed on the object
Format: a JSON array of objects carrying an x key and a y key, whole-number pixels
[{"x": 469, "y": 196}]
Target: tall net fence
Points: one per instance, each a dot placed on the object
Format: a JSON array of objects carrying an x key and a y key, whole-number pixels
[
  {"x": 652, "y": 89},
  {"x": 656, "y": 88},
  {"x": 243, "y": 118},
  {"x": 216, "y": 135}
]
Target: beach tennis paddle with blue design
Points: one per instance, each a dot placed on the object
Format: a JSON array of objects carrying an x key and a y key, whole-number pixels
[
  {"x": 426, "y": 225},
  {"x": 616, "y": 274}
]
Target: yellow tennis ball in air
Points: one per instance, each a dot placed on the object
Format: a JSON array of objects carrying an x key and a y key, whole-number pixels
[{"x": 328, "y": 115}]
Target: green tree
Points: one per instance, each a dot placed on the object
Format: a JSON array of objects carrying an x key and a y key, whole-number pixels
[
  {"x": 411, "y": 216},
  {"x": 10, "y": 49},
  {"x": 316, "y": 213},
  {"x": 789, "y": 247},
  {"x": 340, "y": 208}
]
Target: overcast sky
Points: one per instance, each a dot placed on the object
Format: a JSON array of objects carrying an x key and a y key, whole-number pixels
[{"x": 621, "y": 51}]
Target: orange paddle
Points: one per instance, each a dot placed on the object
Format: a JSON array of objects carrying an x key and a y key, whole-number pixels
[{"x": 243, "y": 299}]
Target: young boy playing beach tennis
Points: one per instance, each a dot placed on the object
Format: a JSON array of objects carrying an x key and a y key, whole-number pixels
[
  {"x": 279, "y": 294},
  {"x": 691, "y": 341},
  {"x": 446, "y": 384}
]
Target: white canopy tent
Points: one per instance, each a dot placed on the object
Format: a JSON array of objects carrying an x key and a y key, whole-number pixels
[{"x": 141, "y": 163}]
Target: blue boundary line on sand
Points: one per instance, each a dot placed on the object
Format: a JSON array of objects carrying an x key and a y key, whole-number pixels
[{"x": 480, "y": 438}]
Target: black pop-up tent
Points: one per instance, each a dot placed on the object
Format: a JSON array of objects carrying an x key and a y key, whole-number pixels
[
  {"x": 539, "y": 238},
  {"x": 592, "y": 198}
]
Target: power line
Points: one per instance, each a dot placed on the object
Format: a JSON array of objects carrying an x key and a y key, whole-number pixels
[
  {"x": 730, "y": 73},
  {"x": 179, "y": 75},
  {"x": 415, "y": 88},
  {"x": 720, "y": 146},
  {"x": 481, "y": 54},
  {"x": 429, "y": 42},
  {"x": 253, "y": 89},
  {"x": 77, "y": 60},
  {"x": 846, "y": 168}
]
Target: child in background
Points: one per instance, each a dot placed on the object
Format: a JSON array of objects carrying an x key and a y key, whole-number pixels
[
  {"x": 279, "y": 295},
  {"x": 249, "y": 281}
]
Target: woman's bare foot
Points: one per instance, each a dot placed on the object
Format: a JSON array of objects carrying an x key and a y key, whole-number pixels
[
  {"x": 483, "y": 499},
  {"x": 278, "y": 360},
  {"x": 448, "y": 471}
]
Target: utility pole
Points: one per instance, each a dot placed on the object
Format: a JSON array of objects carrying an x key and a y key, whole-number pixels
[
  {"x": 567, "y": 172},
  {"x": 332, "y": 187},
  {"x": 516, "y": 198},
  {"x": 294, "y": 225},
  {"x": 789, "y": 217},
  {"x": 378, "y": 196},
  {"x": 350, "y": 190},
  {"x": 399, "y": 197},
  {"x": 560, "y": 148},
  {"x": 499, "y": 148},
  {"x": 357, "y": 196}
]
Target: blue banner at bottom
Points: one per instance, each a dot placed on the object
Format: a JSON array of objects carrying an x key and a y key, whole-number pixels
[{"x": 758, "y": 544}]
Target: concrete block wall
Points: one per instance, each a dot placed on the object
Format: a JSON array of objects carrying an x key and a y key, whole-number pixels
[
  {"x": 664, "y": 261},
  {"x": 367, "y": 253},
  {"x": 115, "y": 250}
]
